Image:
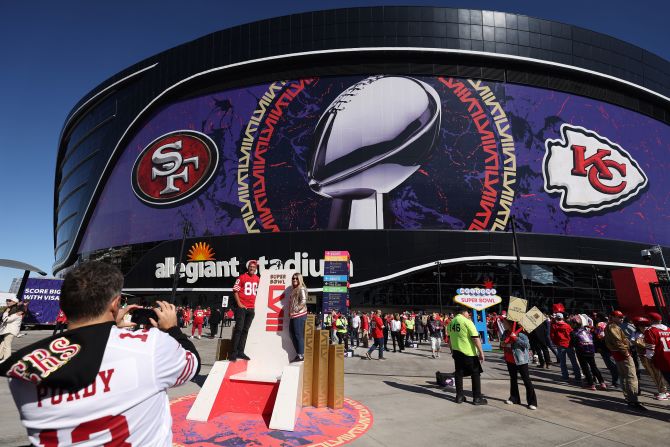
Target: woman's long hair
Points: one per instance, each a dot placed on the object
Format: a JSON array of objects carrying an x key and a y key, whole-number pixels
[{"x": 301, "y": 283}]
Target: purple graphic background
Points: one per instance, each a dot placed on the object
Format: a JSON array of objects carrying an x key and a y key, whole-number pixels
[
  {"x": 43, "y": 307},
  {"x": 444, "y": 194}
]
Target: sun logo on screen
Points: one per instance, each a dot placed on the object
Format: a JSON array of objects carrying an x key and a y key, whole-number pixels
[{"x": 201, "y": 251}]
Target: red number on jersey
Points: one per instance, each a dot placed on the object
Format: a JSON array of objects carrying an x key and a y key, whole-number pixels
[
  {"x": 666, "y": 343},
  {"x": 117, "y": 426},
  {"x": 142, "y": 337}
]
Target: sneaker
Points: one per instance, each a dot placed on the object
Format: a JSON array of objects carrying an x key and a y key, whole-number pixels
[
  {"x": 509, "y": 402},
  {"x": 661, "y": 396},
  {"x": 636, "y": 406},
  {"x": 603, "y": 387},
  {"x": 590, "y": 387},
  {"x": 198, "y": 337},
  {"x": 532, "y": 407},
  {"x": 368, "y": 356},
  {"x": 479, "y": 401},
  {"x": 460, "y": 399},
  {"x": 190, "y": 336},
  {"x": 381, "y": 358}
]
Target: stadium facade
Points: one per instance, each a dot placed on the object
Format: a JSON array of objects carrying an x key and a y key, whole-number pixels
[{"x": 408, "y": 136}]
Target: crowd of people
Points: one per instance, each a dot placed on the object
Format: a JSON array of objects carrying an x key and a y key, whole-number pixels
[
  {"x": 98, "y": 355},
  {"x": 625, "y": 345},
  {"x": 198, "y": 317}
]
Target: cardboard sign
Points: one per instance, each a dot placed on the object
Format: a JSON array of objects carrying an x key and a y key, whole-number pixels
[
  {"x": 224, "y": 301},
  {"x": 532, "y": 319},
  {"x": 517, "y": 309}
]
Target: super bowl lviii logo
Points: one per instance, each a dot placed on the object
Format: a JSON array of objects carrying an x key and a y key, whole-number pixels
[
  {"x": 173, "y": 167},
  {"x": 589, "y": 171}
]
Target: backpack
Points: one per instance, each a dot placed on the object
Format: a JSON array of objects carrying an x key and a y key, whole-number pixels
[{"x": 584, "y": 341}]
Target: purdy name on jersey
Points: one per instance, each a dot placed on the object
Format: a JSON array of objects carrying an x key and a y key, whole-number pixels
[{"x": 107, "y": 399}]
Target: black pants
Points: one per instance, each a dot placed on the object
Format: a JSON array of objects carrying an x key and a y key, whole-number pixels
[
  {"x": 466, "y": 365},
  {"x": 243, "y": 319},
  {"x": 542, "y": 352},
  {"x": 60, "y": 326},
  {"x": 343, "y": 338},
  {"x": 607, "y": 358},
  {"x": 397, "y": 337},
  {"x": 214, "y": 327},
  {"x": 513, "y": 369},
  {"x": 425, "y": 334},
  {"x": 386, "y": 339},
  {"x": 355, "y": 340},
  {"x": 589, "y": 368},
  {"x": 410, "y": 335}
]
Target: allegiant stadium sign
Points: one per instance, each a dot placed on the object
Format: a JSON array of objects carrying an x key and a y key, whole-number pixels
[{"x": 202, "y": 264}]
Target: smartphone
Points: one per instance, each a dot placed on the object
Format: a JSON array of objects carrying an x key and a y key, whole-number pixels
[{"x": 141, "y": 316}]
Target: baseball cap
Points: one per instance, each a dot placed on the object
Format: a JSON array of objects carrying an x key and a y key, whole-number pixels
[
  {"x": 617, "y": 314},
  {"x": 558, "y": 315},
  {"x": 11, "y": 298},
  {"x": 655, "y": 316},
  {"x": 640, "y": 321}
]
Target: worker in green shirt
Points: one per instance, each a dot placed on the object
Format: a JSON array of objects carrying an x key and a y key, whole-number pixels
[
  {"x": 341, "y": 326},
  {"x": 410, "y": 328},
  {"x": 466, "y": 348}
]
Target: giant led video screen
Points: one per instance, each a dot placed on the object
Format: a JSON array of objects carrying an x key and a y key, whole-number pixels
[{"x": 387, "y": 151}]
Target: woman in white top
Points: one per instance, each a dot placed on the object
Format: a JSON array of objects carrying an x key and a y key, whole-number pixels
[
  {"x": 395, "y": 333},
  {"x": 10, "y": 326}
]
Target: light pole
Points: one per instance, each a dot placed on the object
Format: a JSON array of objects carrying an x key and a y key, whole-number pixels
[
  {"x": 646, "y": 254},
  {"x": 439, "y": 285}
]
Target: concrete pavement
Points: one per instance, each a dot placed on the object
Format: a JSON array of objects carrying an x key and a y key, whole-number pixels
[{"x": 409, "y": 409}]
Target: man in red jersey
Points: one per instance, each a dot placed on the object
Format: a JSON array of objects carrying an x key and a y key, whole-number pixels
[
  {"x": 657, "y": 340},
  {"x": 244, "y": 291},
  {"x": 198, "y": 320},
  {"x": 365, "y": 328},
  {"x": 377, "y": 325}
]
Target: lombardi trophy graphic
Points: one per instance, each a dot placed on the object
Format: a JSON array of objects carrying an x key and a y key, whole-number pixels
[{"x": 370, "y": 140}]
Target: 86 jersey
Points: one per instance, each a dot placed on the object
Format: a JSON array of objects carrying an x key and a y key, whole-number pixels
[{"x": 127, "y": 404}]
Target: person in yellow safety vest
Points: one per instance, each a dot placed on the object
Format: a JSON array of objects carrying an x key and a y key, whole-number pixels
[
  {"x": 326, "y": 320},
  {"x": 341, "y": 329},
  {"x": 410, "y": 328}
]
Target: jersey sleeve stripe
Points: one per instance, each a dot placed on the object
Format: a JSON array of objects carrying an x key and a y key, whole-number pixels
[
  {"x": 185, "y": 373},
  {"x": 187, "y": 369}
]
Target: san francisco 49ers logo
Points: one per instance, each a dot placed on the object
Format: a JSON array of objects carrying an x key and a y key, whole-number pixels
[
  {"x": 174, "y": 167},
  {"x": 589, "y": 171}
]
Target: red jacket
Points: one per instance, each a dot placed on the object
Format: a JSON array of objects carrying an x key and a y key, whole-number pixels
[
  {"x": 378, "y": 330},
  {"x": 365, "y": 323},
  {"x": 560, "y": 333},
  {"x": 198, "y": 316},
  {"x": 61, "y": 318}
]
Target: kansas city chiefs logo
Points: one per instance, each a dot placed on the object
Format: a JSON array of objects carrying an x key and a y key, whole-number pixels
[{"x": 589, "y": 171}]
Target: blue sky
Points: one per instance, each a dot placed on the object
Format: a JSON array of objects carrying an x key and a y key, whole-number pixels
[{"x": 53, "y": 53}]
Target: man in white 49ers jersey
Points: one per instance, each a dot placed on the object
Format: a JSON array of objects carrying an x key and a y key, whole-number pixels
[
  {"x": 99, "y": 383},
  {"x": 657, "y": 340},
  {"x": 244, "y": 291}
]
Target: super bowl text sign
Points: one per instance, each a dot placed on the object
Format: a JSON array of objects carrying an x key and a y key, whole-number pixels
[{"x": 476, "y": 298}]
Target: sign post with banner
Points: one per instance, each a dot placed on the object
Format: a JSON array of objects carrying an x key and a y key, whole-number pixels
[
  {"x": 43, "y": 298},
  {"x": 478, "y": 300},
  {"x": 224, "y": 301},
  {"x": 336, "y": 282}
]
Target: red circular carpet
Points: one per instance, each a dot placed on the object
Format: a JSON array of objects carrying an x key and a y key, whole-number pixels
[{"x": 315, "y": 427}]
